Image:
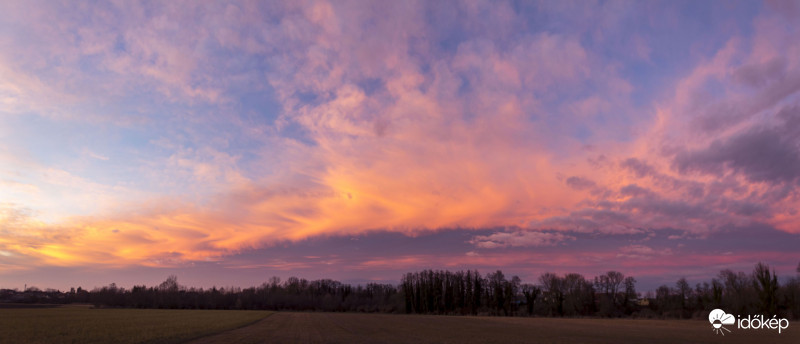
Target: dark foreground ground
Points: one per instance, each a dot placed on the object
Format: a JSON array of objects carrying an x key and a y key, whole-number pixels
[
  {"x": 83, "y": 324},
  {"x": 285, "y": 327}
]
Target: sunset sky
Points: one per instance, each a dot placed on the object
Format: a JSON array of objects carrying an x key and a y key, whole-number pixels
[{"x": 229, "y": 142}]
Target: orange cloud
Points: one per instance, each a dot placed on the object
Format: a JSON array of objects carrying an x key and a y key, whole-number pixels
[{"x": 480, "y": 137}]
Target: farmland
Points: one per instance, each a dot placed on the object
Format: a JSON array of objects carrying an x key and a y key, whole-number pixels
[
  {"x": 81, "y": 324},
  {"x": 387, "y": 328},
  {"x": 75, "y": 324}
]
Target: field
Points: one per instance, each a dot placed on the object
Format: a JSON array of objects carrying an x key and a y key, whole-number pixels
[
  {"x": 81, "y": 324},
  {"x": 386, "y": 328},
  {"x": 84, "y": 325}
]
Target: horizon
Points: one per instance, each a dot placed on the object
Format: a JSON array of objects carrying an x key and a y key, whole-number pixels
[
  {"x": 651, "y": 288},
  {"x": 357, "y": 141}
]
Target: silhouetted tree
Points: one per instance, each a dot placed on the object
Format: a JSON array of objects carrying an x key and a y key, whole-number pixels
[
  {"x": 716, "y": 289},
  {"x": 766, "y": 285},
  {"x": 460, "y": 292},
  {"x": 611, "y": 300},
  {"x": 579, "y": 295},
  {"x": 684, "y": 295},
  {"x": 531, "y": 292},
  {"x": 630, "y": 293},
  {"x": 737, "y": 296},
  {"x": 789, "y": 298},
  {"x": 554, "y": 290}
]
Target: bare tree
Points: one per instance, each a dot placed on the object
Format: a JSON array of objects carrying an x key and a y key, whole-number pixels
[
  {"x": 170, "y": 285},
  {"x": 614, "y": 280},
  {"x": 738, "y": 295},
  {"x": 684, "y": 295},
  {"x": 734, "y": 282},
  {"x": 766, "y": 284},
  {"x": 511, "y": 291},
  {"x": 578, "y": 295},
  {"x": 497, "y": 283},
  {"x": 554, "y": 286},
  {"x": 531, "y": 292},
  {"x": 716, "y": 290},
  {"x": 630, "y": 289}
]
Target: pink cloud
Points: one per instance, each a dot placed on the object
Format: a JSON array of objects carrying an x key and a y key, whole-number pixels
[
  {"x": 475, "y": 137},
  {"x": 519, "y": 239},
  {"x": 642, "y": 252}
]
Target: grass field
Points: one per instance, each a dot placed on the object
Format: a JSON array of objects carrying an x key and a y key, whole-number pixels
[
  {"x": 76, "y": 324},
  {"x": 85, "y": 325}
]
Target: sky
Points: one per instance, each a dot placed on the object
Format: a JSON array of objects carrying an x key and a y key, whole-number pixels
[{"x": 228, "y": 142}]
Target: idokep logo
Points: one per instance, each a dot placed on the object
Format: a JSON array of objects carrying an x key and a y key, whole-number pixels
[{"x": 718, "y": 319}]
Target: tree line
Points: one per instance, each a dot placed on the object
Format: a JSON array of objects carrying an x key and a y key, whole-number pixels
[
  {"x": 468, "y": 292},
  {"x": 758, "y": 292},
  {"x": 612, "y": 294},
  {"x": 296, "y": 294}
]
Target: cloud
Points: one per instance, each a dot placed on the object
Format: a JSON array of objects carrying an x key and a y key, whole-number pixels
[
  {"x": 405, "y": 118},
  {"x": 642, "y": 252},
  {"x": 760, "y": 74},
  {"x": 519, "y": 239},
  {"x": 760, "y": 153},
  {"x": 579, "y": 183},
  {"x": 98, "y": 156},
  {"x": 640, "y": 169}
]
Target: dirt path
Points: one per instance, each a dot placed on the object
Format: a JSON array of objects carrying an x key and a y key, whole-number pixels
[{"x": 288, "y": 327}]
